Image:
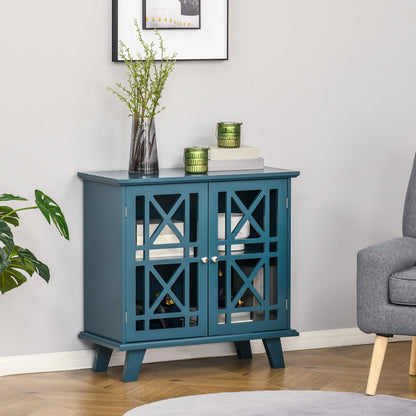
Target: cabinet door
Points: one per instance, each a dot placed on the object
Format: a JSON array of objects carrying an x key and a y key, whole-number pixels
[
  {"x": 166, "y": 281},
  {"x": 248, "y": 256}
]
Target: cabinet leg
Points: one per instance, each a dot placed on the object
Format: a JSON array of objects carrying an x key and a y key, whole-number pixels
[
  {"x": 243, "y": 349},
  {"x": 132, "y": 365},
  {"x": 101, "y": 358},
  {"x": 274, "y": 352}
]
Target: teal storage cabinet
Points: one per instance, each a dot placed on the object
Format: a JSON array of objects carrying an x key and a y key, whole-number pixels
[{"x": 177, "y": 259}]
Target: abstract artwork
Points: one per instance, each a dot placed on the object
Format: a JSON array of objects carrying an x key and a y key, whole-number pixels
[{"x": 171, "y": 14}]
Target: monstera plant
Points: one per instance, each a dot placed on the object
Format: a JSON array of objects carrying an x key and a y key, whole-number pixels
[{"x": 16, "y": 263}]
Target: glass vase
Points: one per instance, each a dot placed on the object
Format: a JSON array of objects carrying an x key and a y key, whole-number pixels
[{"x": 143, "y": 148}]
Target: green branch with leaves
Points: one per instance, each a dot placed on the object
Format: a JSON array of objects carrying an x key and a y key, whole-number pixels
[
  {"x": 16, "y": 263},
  {"x": 146, "y": 77}
]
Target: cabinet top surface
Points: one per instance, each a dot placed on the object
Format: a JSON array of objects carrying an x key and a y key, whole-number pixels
[{"x": 122, "y": 177}]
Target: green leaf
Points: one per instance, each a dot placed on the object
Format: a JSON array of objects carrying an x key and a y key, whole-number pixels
[
  {"x": 10, "y": 279},
  {"x": 4, "y": 260},
  {"x": 51, "y": 211},
  {"x": 13, "y": 264},
  {"x": 18, "y": 263},
  {"x": 10, "y": 197},
  {"x": 11, "y": 216},
  {"x": 6, "y": 236},
  {"x": 30, "y": 261}
]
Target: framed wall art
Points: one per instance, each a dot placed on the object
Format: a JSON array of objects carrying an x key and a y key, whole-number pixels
[
  {"x": 168, "y": 14},
  {"x": 194, "y": 29}
]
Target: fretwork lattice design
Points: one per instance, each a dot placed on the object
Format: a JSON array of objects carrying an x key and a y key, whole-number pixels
[
  {"x": 172, "y": 283},
  {"x": 247, "y": 288},
  {"x": 166, "y": 210},
  {"x": 248, "y": 206}
]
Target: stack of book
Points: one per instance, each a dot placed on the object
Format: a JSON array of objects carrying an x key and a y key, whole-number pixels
[{"x": 239, "y": 158}]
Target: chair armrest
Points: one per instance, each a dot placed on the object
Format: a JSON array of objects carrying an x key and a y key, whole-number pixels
[{"x": 375, "y": 264}]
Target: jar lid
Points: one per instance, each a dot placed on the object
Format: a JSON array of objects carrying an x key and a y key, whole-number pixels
[
  {"x": 196, "y": 152},
  {"x": 196, "y": 148},
  {"x": 230, "y": 123}
]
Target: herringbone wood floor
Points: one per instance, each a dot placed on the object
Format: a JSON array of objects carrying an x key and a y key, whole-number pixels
[{"x": 84, "y": 393}]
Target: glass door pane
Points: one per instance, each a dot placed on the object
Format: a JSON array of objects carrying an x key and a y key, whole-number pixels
[
  {"x": 248, "y": 234},
  {"x": 166, "y": 279}
]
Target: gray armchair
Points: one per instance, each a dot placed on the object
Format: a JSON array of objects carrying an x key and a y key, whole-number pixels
[{"x": 386, "y": 289}]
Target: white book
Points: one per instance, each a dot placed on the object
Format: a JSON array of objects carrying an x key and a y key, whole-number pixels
[
  {"x": 235, "y": 317},
  {"x": 235, "y": 164},
  {"x": 165, "y": 253},
  {"x": 166, "y": 236},
  {"x": 242, "y": 152}
]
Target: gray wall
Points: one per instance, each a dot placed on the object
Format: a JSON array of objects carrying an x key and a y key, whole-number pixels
[{"x": 324, "y": 86}]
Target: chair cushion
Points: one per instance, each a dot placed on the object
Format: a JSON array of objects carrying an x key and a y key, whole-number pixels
[{"x": 402, "y": 287}]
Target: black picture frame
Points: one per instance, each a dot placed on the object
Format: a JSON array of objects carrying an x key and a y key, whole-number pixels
[
  {"x": 169, "y": 20},
  {"x": 210, "y": 42}
]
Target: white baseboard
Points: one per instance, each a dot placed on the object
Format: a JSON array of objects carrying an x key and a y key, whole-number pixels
[{"x": 74, "y": 360}]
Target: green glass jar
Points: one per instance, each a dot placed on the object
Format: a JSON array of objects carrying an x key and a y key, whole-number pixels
[
  {"x": 228, "y": 134},
  {"x": 196, "y": 159}
]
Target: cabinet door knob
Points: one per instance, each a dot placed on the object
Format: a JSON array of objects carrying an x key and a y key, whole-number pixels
[
  {"x": 214, "y": 259},
  {"x": 204, "y": 260}
]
